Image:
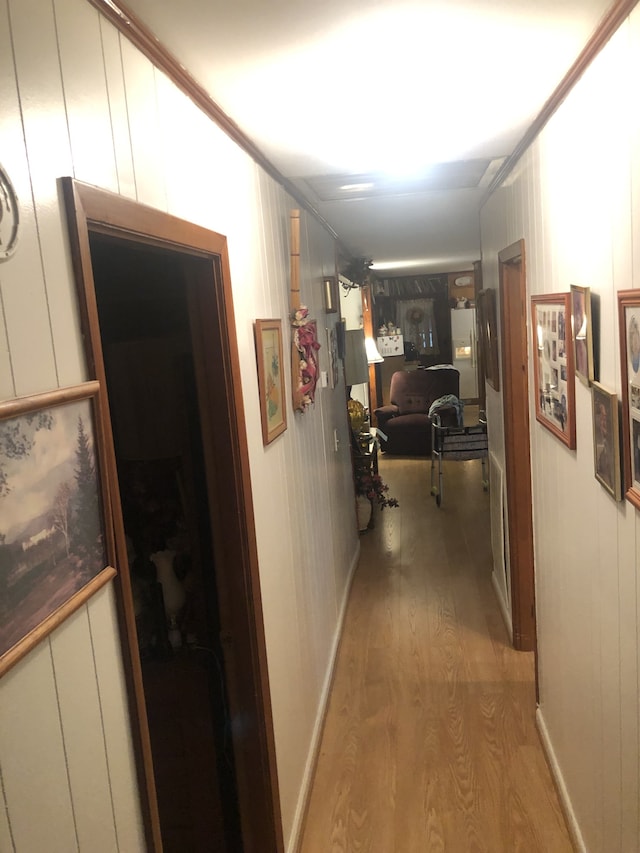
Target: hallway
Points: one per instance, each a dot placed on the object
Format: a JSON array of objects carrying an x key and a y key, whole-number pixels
[{"x": 430, "y": 741}]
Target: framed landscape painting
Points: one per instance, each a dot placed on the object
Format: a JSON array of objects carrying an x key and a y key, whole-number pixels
[
  {"x": 55, "y": 533},
  {"x": 268, "y": 335},
  {"x": 553, "y": 365}
]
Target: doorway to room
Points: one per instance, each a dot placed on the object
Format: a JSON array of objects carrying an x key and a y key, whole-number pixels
[
  {"x": 157, "y": 313},
  {"x": 143, "y": 313},
  {"x": 513, "y": 317}
]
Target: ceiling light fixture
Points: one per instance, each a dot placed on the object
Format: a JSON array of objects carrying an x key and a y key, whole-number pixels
[{"x": 353, "y": 187}]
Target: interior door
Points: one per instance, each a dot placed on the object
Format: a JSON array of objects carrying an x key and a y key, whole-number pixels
[
  {"x": 229, "y": 510},
  {"x": 143, "y": 311}
]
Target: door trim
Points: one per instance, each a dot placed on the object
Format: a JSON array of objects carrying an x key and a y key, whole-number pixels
[
  {"x": 90, "y": 209},
  {"x": 515, "y": 389}
]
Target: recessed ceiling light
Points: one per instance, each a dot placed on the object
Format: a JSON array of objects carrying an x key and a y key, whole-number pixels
[{"x": 352, "y": 187}]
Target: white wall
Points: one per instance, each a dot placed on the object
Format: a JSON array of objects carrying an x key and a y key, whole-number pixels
[
  {"x": 77, "y": 99},
  {"x": 575, "y": 199}
]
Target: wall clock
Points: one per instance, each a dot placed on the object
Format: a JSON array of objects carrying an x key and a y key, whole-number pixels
[{"x": 9, "y": 217}]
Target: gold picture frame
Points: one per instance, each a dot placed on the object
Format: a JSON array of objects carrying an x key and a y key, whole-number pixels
[
  {"x": 273, "y": 412},
  {"x": 582, "y": 332},
  {"x": 57, "y": 548}
]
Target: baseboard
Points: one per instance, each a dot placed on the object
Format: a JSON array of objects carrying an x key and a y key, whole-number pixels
[
  {"x": 502, "y": 604},
  {"x": 314, "y": 749},
  {"x": 563, "y": 794}
]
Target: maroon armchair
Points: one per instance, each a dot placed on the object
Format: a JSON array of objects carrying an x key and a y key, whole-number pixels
[{"x": 405, "y": 421}]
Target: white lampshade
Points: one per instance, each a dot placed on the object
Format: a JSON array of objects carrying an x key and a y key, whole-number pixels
[
  {"x": 373, "y": 355},
  {"x": 356, "y": 366}
]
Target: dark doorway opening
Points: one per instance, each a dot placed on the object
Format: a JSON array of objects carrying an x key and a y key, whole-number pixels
[{"x": 142, "y": 295}]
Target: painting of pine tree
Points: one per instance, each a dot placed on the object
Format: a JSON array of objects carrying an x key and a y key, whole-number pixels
[{"x": 51, "y": 514}]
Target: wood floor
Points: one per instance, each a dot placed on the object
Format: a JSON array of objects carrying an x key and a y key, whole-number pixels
[{"x": 430, "y": 741}]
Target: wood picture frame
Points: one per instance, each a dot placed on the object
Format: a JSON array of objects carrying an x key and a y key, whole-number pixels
[
  {"x": 553, "y": 365},
  {"x": 488, "y": 327},
  {"x": 332, "y": 354},
  {"x": 629, "y": 334},
  {"x": 582, "y": 333},
  {"x": 273, "y": 411},
  {"x": 606, "y": 439},
  {"x": 56, "y": 548},
  {"x": 331, "y": 294}
]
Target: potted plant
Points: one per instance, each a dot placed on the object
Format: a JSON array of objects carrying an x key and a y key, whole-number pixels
[{"x": 370, "y": 490}]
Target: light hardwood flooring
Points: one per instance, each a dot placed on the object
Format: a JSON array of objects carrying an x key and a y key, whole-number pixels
[{"x": 430, "y": 741}]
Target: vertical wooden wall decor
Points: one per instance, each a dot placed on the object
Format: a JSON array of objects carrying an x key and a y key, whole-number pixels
[
  {"x": 367, "y": 322},
  {"x": 304, "y": 346},
  {"x": 295, "y": 260}
]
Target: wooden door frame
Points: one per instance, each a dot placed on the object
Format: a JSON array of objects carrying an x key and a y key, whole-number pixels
[
  {"x": 92, "y": 210},
  {"x": 517, "y": 447}
]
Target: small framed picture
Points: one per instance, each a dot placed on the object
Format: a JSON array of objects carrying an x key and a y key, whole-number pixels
[
  {"x": 332, "y": 353},
  {"x": 629, "y": 333},
  {"x": 56, "y": 548},
  {"x": 553, "y": 365},
  {"x": 331, "y": 294},
  {"x": 606, "y": 439},
  {"x": 582, "y": 328},
  {"x": 268, "y": 335}
]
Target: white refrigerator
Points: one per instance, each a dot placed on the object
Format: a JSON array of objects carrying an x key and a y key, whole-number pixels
[{"x": 464, "y": 350}]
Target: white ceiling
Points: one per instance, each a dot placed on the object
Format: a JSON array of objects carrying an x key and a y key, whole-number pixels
[{"x": 421, "y": 99}]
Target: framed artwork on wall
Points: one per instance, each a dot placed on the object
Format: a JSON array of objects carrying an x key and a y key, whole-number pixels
[
  {"x": 56, "y": 547},
  {"x": 629, "y": 326},
  {"x": 582, "y": 329},
  {"x": 606, "y": 439},
  {"x": 268, "y": 335},
  {"x": 553, "y": 365},
  {"x": 488, "y": 327},
  {"x": 332, "y": 353}
]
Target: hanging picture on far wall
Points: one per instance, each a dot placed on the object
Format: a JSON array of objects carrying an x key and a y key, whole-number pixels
[
  {"x": 554, "y": 370},
  {"x": 629, "y": 322}
]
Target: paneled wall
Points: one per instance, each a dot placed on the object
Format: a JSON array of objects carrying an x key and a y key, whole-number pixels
[
  {"x": 76, "y": 98},
  {"x": 575, "y": 199}
]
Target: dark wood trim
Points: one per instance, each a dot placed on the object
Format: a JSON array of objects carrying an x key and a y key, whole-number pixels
[
  {"x": 513, "y": 253},
  {"x": 139, "y": 34},
  {"x": 613, "y": 18},
  {"x": 93, "y": 210},
  {"x": 513, "y": 324},
  {"x": 367, "y": 322}
]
